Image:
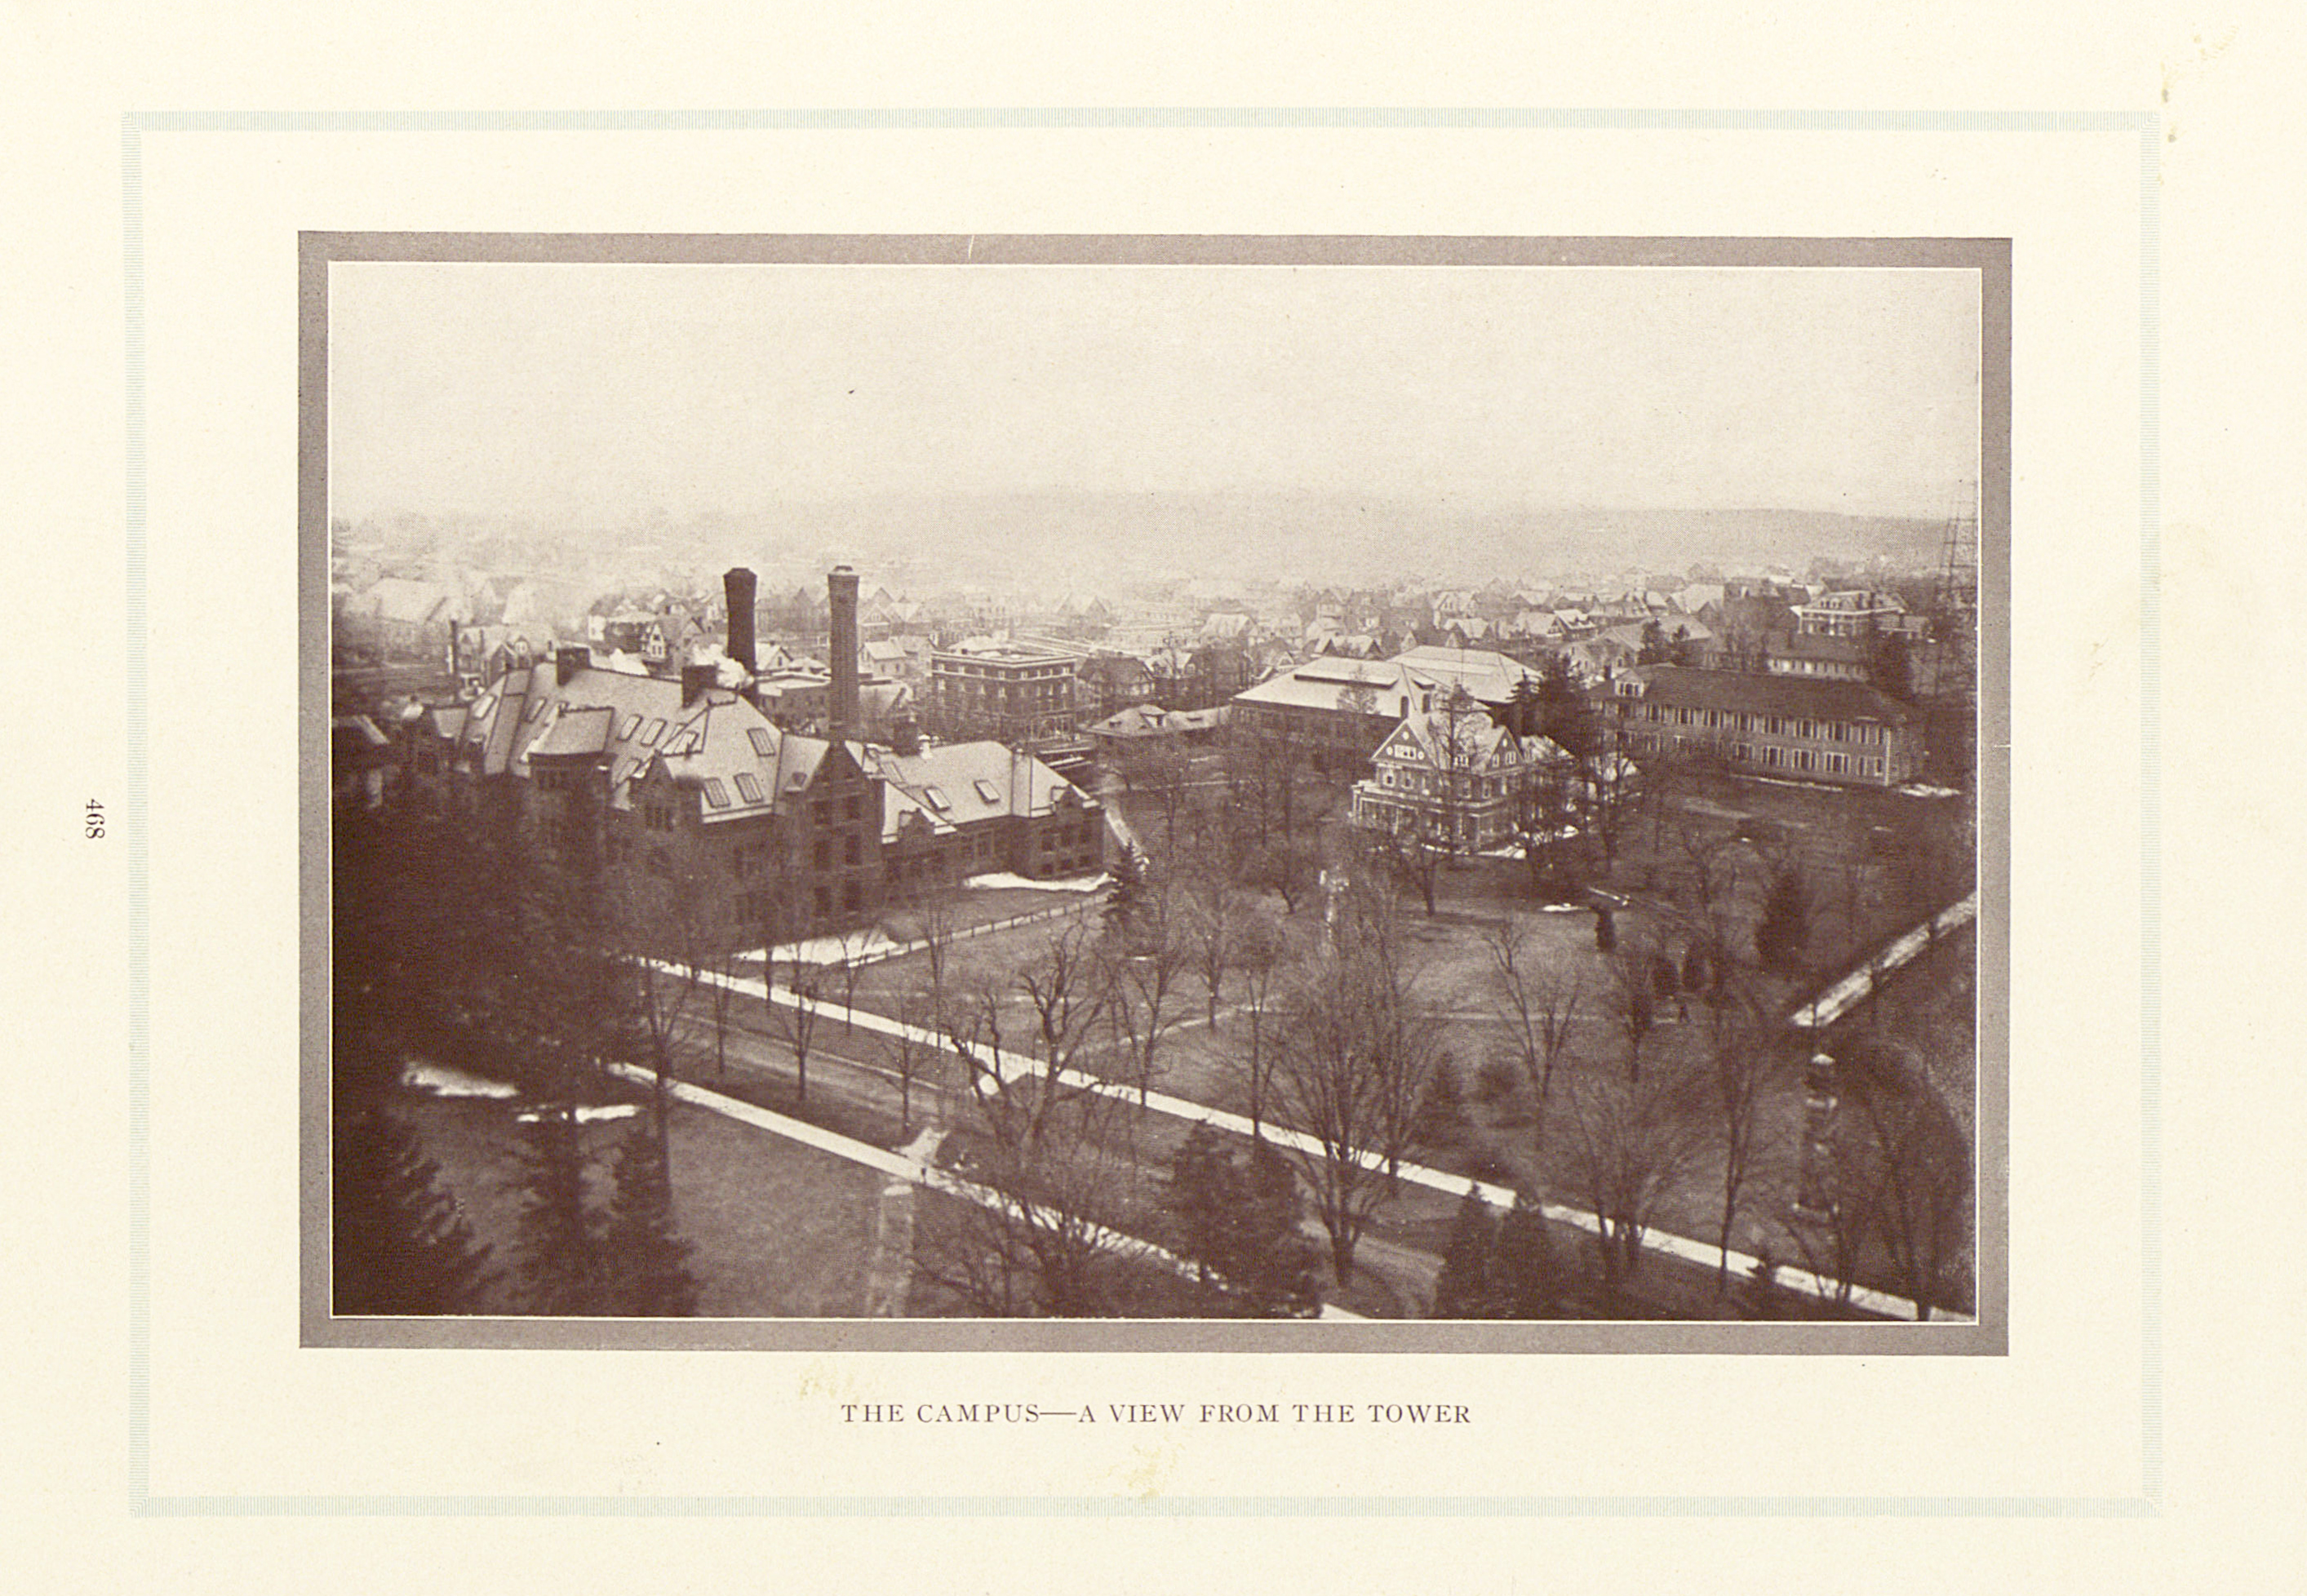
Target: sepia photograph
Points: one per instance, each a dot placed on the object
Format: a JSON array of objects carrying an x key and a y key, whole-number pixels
[{"x": 1450, "y": 789}]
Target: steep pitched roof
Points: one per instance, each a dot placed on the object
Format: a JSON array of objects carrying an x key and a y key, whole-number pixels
[
  {"x": 1806, "y": 697},
  {"x": 1482, "y": 745},
  {"x": 960, "y": 783}
]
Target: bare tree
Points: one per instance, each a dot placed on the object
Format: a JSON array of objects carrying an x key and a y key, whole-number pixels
[
  {"x": 1743, "y": 1065},
  {"x": 1538, "y": 1008},
  {"x": 1633, "y": 999},
  {"x": 1351, "y": 1071},
  {"x": 934, "y": 919},
  {"x": 1262, "y": 956},
  {"x": 1050, "y": 1228},
  {"x": 794, "y": 1019},
  {"x": 1066, "y": 1004},
  {"x": 1139, "y": 969},
  {"x": 910, "y": 1052},
  {"x": 1212, "y": 919},
  {"x": 1631, "y": 1144},
  {"x": 1609, "y": 794},
  {"x": 1901, "y": 1167},
  {"x": 1162, "y": 773}
]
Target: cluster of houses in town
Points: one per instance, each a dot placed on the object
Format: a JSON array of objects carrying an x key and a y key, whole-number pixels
[{"x": 744, "y": 767}]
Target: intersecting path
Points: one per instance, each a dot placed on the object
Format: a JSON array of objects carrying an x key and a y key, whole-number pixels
[
  {"x": 911, "y": 1168},
  {"x": 1013, "y": 1066}
]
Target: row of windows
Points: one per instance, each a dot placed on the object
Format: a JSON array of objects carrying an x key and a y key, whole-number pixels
[
  {"x": 1772, "y": 725},
  {"x": 1399, "y": 820},
  {"x": 1464, "y": 787},
  {"x": 1770, "y": 756}
]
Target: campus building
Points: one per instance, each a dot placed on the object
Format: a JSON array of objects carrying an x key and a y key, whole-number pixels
[
  {"x": 1330, "y": 715},
  {"x": 1795, "y": 726},
  {"x": 1457, "y": 780},
  {"x": 711, "y": 826},
  {"x": 1015, "y": 692}
]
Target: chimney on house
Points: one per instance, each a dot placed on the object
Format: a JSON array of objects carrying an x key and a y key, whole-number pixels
[
  {"x": 694, "y": 680},
  {"x": 567, "y": 661},
  {"x": 737, "y": 587},
  {"x": 841, "y": 592}
]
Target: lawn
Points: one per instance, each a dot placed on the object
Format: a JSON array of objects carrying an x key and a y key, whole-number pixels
[{"x": 779, "y": 1229}]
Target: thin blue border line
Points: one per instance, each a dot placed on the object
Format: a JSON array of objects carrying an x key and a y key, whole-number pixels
[
  {"x": 1150, "y": 117},
  {"x": 135, "y": 812},
  {"x": 509, "y": 1506},
  {"x": 2149, "y": 124},
  {"x": 2151, "y": 809}
]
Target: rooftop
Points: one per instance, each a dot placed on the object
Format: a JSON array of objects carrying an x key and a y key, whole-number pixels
[{"x": 1811, "y": 697}]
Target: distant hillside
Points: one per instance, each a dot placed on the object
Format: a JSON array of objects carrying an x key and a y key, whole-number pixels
[
  {"x": 1308, "y": 536},
  {"x": 1085, "y": 541}
]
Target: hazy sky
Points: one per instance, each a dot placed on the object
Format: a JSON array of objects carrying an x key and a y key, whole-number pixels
[{"x": 609, "y": 391}]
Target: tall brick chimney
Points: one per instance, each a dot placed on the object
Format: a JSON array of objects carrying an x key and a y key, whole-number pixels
[
  {"x": 841, "y": 592},
  {"x": 737, "y": 587}
]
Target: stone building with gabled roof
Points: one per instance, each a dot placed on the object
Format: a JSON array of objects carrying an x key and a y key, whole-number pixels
[{"x": 707, "y": 825}]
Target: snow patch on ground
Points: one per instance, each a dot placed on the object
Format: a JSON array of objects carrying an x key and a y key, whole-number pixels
[
  {"x": 444, "y": 1082},
  {"x": 586, "y": 1116},
  {"x": 1915, "y": 789},
  {"x": 1070, "y": 884},
  {"x": 839, "y": 950}
]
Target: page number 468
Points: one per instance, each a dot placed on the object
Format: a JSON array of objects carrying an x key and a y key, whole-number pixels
[{"x": 94, "y": 819}]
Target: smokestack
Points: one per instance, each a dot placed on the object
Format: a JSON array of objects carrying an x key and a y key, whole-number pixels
[
  {"x": 841, "y": 591},
  {"x": 737, "y": 588},
  {"x": 694, "y": 680}
]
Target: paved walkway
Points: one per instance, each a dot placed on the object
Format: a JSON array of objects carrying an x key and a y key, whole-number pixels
[
  {"x": 911, "y": 1168},
  {"x": 1012, "y": 1065},
  {"x": 889, "y": 1278},
  {"x": 1838, "y": 1000}
]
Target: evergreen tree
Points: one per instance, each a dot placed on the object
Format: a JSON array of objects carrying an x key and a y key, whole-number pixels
[
  {"x": 647, "y": 1260},
  {"x": 1237, "y": 1222},
  {"x": 1441, "y": 1110},
  {"x": 1889, "y": 665},
  {"x": 1569, "y": 720},
  {"x": 562, "y": 1240},
  {"x": 1784, "y": 923},
  {"x": 1654, "y": 650},
  {"x": 401, "y": 1244},
  {"x": 1462, "y": 1291},
  {"x": 1277, "y": 1272},
  {"x": 1125, "y": 899},
  {"x": 1523, "y": 713},
  {"x": 1524, "y": 1282}
]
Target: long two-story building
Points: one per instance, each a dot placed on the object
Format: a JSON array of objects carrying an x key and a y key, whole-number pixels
[{"x": 1799, "y": 727}]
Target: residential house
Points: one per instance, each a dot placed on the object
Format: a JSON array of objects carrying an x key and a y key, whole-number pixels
[{"x": 1454, "y": 778}]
